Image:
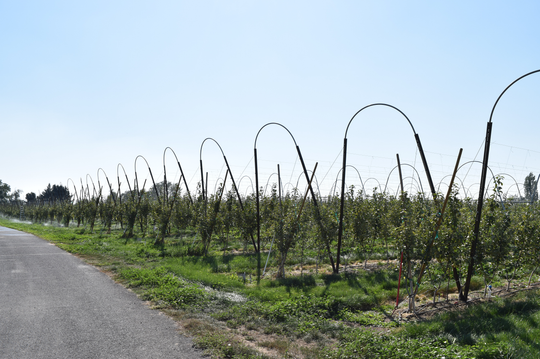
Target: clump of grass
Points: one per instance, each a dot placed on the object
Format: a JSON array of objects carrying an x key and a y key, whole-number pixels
[
  {"x": 164, "y": 288},
  {"x": 341, "y": 316},
  {"x": 368, "y": 318},
  {"x": 218, "y": 343},
  {"x": 279, "y": 345},
  {"x": 365, "y": 344},
  {"x": 503, "y": 321},
  {"x": 196, "y": 269}
]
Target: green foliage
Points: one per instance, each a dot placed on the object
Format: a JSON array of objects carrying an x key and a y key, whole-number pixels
[
  {"x": 496, "y": 229},
  {"x": 164, "y": 287},
  {"x": 365, "y": 344},
  {"x": 500, "y": 327},
  {"x": 210, "y": 243},
  {"x": 530, "y": 188},
  {"x": 54, "y": 193},
  {"x": 222, "y": 345},
  {"x": 153, "y": 277},
  {"x": 315, "y": 308},
  {"x": 368, "y": 318}
]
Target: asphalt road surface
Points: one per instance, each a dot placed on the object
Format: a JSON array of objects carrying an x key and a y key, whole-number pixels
[{"x": 53, "y": 305}]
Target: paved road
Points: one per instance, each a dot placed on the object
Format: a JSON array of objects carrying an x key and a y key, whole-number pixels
[{"x": 52, "y": 305}]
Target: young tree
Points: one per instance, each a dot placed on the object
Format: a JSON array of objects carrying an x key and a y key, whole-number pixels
[
  {"x": 495, "y": 248},
  {"x": 454, "y": 233}
]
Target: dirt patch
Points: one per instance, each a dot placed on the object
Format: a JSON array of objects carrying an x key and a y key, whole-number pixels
[
  {"x": 353, "y": 267},
  {"x": 427, "y": 311}
]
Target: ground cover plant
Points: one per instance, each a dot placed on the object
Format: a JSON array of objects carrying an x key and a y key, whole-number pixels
[
  {"x": 210, "y": 283},
  {"x": 270, "y": 284}
]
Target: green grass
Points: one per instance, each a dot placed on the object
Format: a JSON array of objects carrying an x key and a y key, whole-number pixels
[
  {"x": 512, "y": 321},
  {"x": 339, "y": 316}
]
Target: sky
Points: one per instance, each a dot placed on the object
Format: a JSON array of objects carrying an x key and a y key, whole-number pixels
[{"x": 87, "y": 87}]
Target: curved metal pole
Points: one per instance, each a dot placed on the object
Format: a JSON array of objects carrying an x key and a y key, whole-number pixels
[
  {"x": 512, "y": 177},
  {"x": 478, "y": 218},
  {"x": 332, "y": 189},
  {"x": 83, "y": 193},
  {"x": 412, "y": 186},
  {"x": 376, "y": 180},
  {"x": 93, "y": 185},
  {"x": 74, "y": 188},
  {"x": 181, "y": 173},
  {"x": 404, "y": 164},
  {"x": 201, "y": 163},
  {"x": 420, "y": 149},
  {"x": 228, "y": 168},
  {"x": 508, "y": 190},
  {"x": 500, "y": 197},
  {"x": 489, "y": 168},
  {"x": 151, "y": 176},
  {"x": 314, "y": 198},
  {"x": 469, "y": 188},
  {"x": 441, "y": 182},
  {"x": 466, "y": 163},
  {"x": 240, "y": 182},
  {"x": 268, "y": 182},
  {"x": 316, "y": 181},
  {"x": 462, "y": 185},
  {"x": 232, "y": 179},
  {"x": 165, "y": 184},
  {"x": 127, "y": 180},
  {"x": 109, "y": 183},
  {"x": 474, "y": 161},
  {"x": 217, "y": 183},
  {"x": 417, "y": 186},
  {"x": 417, "y": 138},
  {"x": 285, "y": 191},
  {"x": 258, "y": 246}
]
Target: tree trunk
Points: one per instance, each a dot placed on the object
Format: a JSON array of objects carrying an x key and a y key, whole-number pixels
[
  {"x": 281, "y": 269},
  {"x": 411, "y": 293},
  {"x": 458, "y": 284},
  {"x": 530, "y": 277}
]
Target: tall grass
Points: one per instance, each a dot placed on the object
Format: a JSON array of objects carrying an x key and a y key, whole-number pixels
[
  {"x": 341, "y": 316},
  {"x": 512, "y": 321}
]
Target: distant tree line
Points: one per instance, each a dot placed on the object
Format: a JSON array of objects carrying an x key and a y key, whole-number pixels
[
  {"x": 50, "y": 194},
  {"x": 6, "y": 195}
]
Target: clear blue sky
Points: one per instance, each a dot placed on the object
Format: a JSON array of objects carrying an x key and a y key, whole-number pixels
[{"x": 90, "y": 84}]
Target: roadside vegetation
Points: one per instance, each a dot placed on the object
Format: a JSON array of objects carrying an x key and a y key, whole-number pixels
[
  {"x": 208, "y": 282},
  {"x": 282, "y": 285}
]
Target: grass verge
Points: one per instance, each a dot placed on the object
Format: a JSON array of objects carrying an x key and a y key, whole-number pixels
[{"x": 313, "y": 316}]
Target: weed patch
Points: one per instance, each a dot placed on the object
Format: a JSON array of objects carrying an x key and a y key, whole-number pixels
[{"x": 305, "y": 316}]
